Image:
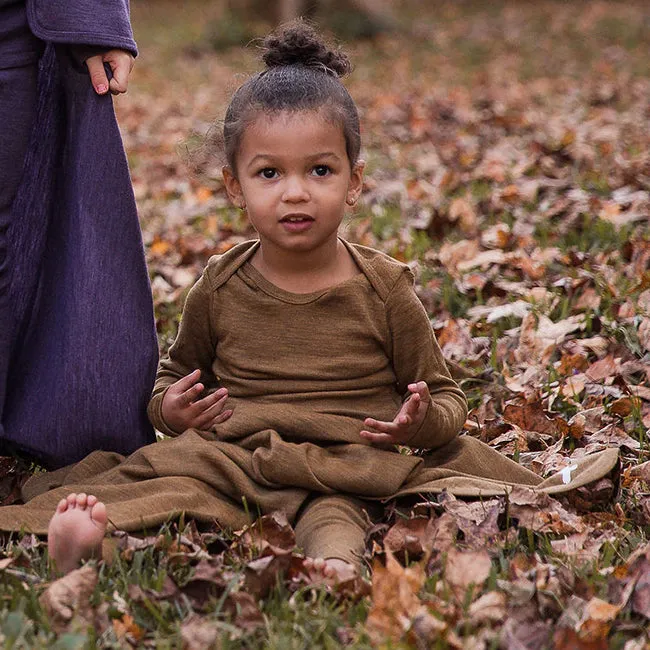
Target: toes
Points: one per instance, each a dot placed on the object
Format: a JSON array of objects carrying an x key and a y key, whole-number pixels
[
  {"x": 62, "y": 506},
  {"x": 98, "y": 513},
  {"x": 72, "y": 500},
  {"x": 82, "y": 500},
  {"x": 91, "y": 500}
]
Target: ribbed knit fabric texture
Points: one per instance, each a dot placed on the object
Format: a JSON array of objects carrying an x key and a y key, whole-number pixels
[
  {"x": 303, "y": 371},
  {"x": 82, "y": 350}
]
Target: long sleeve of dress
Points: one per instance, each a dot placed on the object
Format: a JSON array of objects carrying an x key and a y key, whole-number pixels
[
  {"x": 193, "y": 348},
  {"x": 417, "y": 357},
  {"x": 83, "y": 22}
]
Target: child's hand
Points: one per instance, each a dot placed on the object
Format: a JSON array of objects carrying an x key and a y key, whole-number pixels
[
  {"x": 121, "y": 63},
  {"x": 406, "y": 422},
  {"x": 182, "y": 410}
]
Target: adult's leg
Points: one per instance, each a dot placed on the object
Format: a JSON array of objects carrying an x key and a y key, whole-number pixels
[{"x": 17, "y": 109}]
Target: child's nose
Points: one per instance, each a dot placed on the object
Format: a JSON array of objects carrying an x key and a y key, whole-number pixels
[{"x": 295, "y": 190}]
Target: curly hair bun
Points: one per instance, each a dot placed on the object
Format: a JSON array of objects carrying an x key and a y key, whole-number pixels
[{"x": 299, "y": 43}]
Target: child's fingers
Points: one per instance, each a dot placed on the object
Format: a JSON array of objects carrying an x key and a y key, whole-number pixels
[
  {"x": 412, "y": 404},
  {"x": 213, "y": 398},
  {"x": 378, "y": 438},
  {"x": 419, "y": 388},
  {"x": 186, "y": 382},
  {"x": 222, "y": 417},
  {"x": 389, "y": 428},
  {"x": 189, "y": 397},
  {"x": 208, "y": 414}
]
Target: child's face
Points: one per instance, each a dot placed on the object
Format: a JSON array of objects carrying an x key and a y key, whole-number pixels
[{"x": 294, "y": 178}]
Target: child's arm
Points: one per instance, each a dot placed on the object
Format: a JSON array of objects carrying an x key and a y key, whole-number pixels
[
  {"x": 435, "y": 408},
  {"x": 184, "y": 376}
]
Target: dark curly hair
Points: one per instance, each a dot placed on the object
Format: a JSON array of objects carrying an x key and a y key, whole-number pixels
[{"x": 302, "y": 73}]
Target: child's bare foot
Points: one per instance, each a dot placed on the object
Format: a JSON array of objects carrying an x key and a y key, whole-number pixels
[
  {"x": 330, "y": 570},
  {"x": 76, "y": 531}
]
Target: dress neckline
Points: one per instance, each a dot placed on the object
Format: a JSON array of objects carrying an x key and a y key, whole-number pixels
[{"x": 289, "y": 296}]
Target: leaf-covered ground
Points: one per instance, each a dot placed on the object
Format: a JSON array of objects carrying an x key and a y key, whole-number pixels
[{"x": 509, "y": 162}]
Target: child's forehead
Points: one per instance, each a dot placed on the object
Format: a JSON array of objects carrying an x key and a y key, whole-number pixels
[
  {"x": 292, "y": 132},
  {"x": 315, "y": 118}
]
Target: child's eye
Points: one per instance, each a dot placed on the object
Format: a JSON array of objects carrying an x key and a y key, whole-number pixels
[
  {"x": 321, "y": 170},
  {"x": 268, "y": 173}
]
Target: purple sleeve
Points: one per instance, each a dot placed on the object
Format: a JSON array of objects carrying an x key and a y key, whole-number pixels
[{"x": 82, "y": 22}]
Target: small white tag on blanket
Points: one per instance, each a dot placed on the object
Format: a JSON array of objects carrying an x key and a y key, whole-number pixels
[{"x": 566, "y": 473}]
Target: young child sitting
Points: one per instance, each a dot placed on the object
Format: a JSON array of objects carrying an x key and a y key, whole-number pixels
[{"x": 301, "y": 359}]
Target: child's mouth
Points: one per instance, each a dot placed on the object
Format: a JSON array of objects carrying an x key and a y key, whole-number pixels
[{"x": 297, "y": 222}]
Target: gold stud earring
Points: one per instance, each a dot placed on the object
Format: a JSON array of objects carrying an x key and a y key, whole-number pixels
[{"x": 351, "y": 200}]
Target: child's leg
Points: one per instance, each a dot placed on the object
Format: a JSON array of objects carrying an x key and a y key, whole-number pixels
[
  {"x": 334, "y": 528},
  {"x": 76, "y": 531}
]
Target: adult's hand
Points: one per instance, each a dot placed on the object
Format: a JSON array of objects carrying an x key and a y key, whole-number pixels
[{"x": 120, "y": 62}]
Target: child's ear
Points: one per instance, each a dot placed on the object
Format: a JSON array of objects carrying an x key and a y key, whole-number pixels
[
  {"x": 233, "y": 188},
  {"x": 356, "y": 182}
]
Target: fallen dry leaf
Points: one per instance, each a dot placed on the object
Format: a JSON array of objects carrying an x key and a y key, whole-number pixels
[
  {"x": 395, "y": 600},
  {"x": 67, "y": 600},
  {"x": 465, "y": 569},
  {"x": 625, "y": 406},
  {"x": 200, "y": 634},
  {"x": 262, "y": 574},
  {"x": 541, "y": 513},
  {"x": 518, "y": 309},
  {"x": 630, "y": 582},
  {"x": 478, "y": 520},
  {"x": 410, "y": 538},
  {"x": 244, "y": 610},
  {"x": 525, "y": 635},
  {"x": 126, "y": 629},
  {"x": 490, "y": 607},
  {"x": 444, "y": 533},
  {"x": 585, "y": 625},
  {"x": 612, "y": 436},
  {"x": 581, "y": 547},
  {"x": 641, "y": 472},
  {"x": 530, "y": 416},
  {"x": 209, "y": 580},
  {"x": 602, "y": 369},
  {"x": 270, "y": 530}
]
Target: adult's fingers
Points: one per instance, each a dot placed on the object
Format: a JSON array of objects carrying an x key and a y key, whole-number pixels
[
  {"x": 98, "y": 78},
  {"x": 121, "y": 64}
]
